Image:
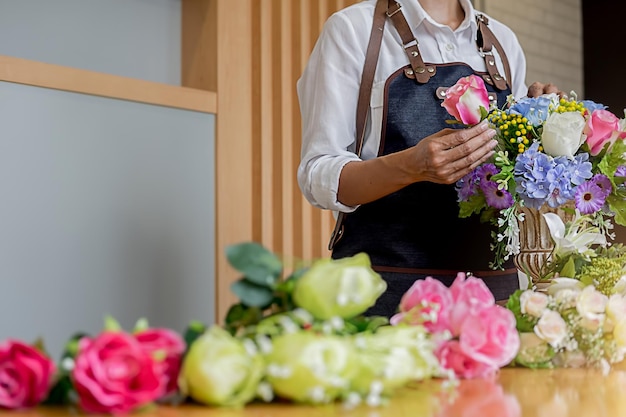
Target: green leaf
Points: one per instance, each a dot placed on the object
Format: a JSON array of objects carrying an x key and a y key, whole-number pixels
[
  {"x": 569, "y": 269},
  {"x": 240, "y": 315},
  {"x": 252, "y": 294},
  {"x": 523, "y": 324},
  {"x": 141, "y": 325},
  {"x": 111, "y": 324},
  {"x": 60, "y": 392},
  {"x": 194, "y": 330},
  {"x": 256, "y": 263},
  {"x": 472, "y": 206}
]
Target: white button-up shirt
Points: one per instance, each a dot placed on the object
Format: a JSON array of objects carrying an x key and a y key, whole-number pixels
[{"x": 329, "y": 87}]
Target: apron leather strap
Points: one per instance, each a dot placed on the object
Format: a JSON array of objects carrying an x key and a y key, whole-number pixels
[
  {"x": 410, "y": 44},
  {"x": 365, "y": 93},
  {"x": 486, "y": 40}
]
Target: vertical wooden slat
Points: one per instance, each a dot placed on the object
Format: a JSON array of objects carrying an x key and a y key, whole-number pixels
[
  {"x": 266, "y": 111},
  {"x": 258, "y": 158},
  {"x": 234, "y": 146},
  {"x": 276, "y": 93}
]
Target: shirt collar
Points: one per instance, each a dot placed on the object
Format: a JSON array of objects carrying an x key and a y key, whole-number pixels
[{"x": 416, "y": 15}]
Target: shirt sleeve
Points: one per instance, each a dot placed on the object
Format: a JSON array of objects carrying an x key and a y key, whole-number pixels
[
  {"x": 328, "y": 93},
  {"x": 515, "y": 55}
]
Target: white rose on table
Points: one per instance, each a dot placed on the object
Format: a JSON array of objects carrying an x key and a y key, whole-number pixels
[
  {"x": 533, "y": 303},
  {"x": 562, "y": 134},
  {"x": 591, "y": 303},
  {"x": 615, "y": 312},
  {"x": 552, "y": 328}
]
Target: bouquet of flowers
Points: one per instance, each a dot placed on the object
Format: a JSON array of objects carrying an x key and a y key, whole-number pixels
[
  {"x": 553, "y": 151},
  {"x": 475, "y": 337},
  {"x": 302, "y": 338},
  {"x": 571, "y": 325}
]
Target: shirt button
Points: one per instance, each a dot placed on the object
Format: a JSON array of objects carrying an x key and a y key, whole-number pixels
[{"x": 449, "y": 47}]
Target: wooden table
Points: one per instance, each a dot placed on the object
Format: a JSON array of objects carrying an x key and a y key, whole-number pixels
[{"x": 513, "y": 393}]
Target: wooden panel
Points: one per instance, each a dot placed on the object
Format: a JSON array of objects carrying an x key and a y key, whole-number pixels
[
  {"x": 199, "y": 44},
  {"x": 261, "y": 49},
  {"x": 24, "y": 71}
]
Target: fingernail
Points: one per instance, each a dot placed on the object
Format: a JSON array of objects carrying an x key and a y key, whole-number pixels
[
  {"x": 493, "y": 143},
  {"x": 491, "y": 132}
]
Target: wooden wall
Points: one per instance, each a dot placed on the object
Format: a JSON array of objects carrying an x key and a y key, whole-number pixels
[{"x": 252, "y": 52}]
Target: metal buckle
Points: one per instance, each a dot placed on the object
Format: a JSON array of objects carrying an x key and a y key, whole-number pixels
[
  {"x": 410, "y": 44},
  {"x": 398, "y": 7},
  {"x": 483, "y": 53}
]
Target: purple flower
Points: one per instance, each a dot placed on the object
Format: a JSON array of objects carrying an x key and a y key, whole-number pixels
[
  {"x": 485, "y": 172},
  {"x": 620, "y": 171},
  {"x": 499, "y": 199},
  {"x": 589, "y": 198},
  {"x": 466, "y": 186},
  {"x": 603, "y": 182}
]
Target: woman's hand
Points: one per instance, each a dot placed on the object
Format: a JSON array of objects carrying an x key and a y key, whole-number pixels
[
  {"x": 450, "y": 154},
  {"x": 537, "y": 89},
  {"x": 444, "y": 158}
]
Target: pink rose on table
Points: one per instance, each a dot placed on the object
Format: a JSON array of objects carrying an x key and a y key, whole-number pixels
[
  {"x": 602, "y": 127},
  {"x": 26, "y": 375},
  {"x": 464, "y": 100},
  {"x": 470, "y": 295},
  {"x": 113, "y": 373},
  {"x": 452, "y": 357},
  {"x": 490, "y": 336},
  {"x": 167, "y": 347},
  {"x": 427, "y": 302}
]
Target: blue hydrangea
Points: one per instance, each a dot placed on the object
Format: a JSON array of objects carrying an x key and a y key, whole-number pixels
[
  {"x": 535, "y": 109},
  {"x": 592, "y": 106}
]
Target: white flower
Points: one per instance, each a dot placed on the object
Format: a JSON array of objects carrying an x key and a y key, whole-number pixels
[
  {"x": 533, "y": 303},
  {"x": 620, "y": 286},
  {"x": 552, "y": 328},
  {"x": 572, "y": 240},
  {"x": 619, "y": 335},
  {"x": 562, "y": 283},
  {"x": 562, "y": 134},
  {"x": 615, "y": 312},
  {"x": 591, "y": 304}
]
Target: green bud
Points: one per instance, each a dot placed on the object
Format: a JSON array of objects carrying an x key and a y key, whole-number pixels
[
  {"x": 311, "y": 368},
  {"x": 219, "y": 370},
  {"x": 339, "y": 288}
]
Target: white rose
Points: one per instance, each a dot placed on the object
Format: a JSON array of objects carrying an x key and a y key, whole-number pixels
[
  {"x": 563, "y": 283},
  {"x": 566, "y": 298},
  {"x": 591, "y": 303},
  {"x": 615, "y": 312},
  {"x": 563, "y": 134},
  {"x": 533, "y": 303},
  {"x": 552, "y": 328}
]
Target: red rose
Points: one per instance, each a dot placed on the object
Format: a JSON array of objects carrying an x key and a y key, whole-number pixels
[
  {"x": 167, "y": 347},
  {"x": 114, "y": 374},
  {"x": 26, "y": 375}
]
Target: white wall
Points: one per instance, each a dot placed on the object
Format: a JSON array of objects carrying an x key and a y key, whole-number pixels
[
  {"x": 106, "y": 206},
  {"x": 133, "y": 38}
]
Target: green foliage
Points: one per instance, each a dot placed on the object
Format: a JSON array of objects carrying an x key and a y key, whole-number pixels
[
  {"x": 472, "y": 206},
  {"x": 256, "y": 263},
  {"x": 523, "y": 324},
  {"x": 62, "y": 390}
]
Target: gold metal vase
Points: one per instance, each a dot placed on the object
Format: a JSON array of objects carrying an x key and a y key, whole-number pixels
[{"x": 536, "y": 244}]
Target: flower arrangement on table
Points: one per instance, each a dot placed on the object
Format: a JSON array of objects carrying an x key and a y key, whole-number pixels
[
  {"x": 302, "y": 338},
  {"x": 553, "y": 151},
  {"x": 564, "y": 154}
]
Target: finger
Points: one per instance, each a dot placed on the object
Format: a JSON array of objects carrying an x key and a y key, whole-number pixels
[
  {"x": 479, "y": 143},
  {"x": 550, "y": 88},
  {"x": 457, "y": 137},
  {"x": 535, "y": 89}
]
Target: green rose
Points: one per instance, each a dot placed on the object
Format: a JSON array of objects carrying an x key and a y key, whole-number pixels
[
  {"x": 339, "y": 288},
  {"x": 533, "y": 351},
  {"x": 219, "y": 370},
  {"x": 392, "y": 357},
  {"x": 311, "y": 368}
]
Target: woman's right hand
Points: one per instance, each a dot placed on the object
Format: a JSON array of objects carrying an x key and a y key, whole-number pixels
[{"x": 450, "y": 154}]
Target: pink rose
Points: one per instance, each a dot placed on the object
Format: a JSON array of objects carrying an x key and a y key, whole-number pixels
[
  {"x": 167, "y": 347},
  {"x": 470, "y": 295},
  {"x": 464, "y": 100},
  {"x": 26, "y": 375},
  {"x": 427, "y": 302},
  {"x": 490, "y": 336},
  {"x": 602, "y": 127},
  {"x": 451, "y": 356},
  {"x": 113, "y": 373}
]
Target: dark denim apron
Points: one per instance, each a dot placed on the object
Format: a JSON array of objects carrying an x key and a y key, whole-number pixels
[{"x": 416, "y": 232}]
